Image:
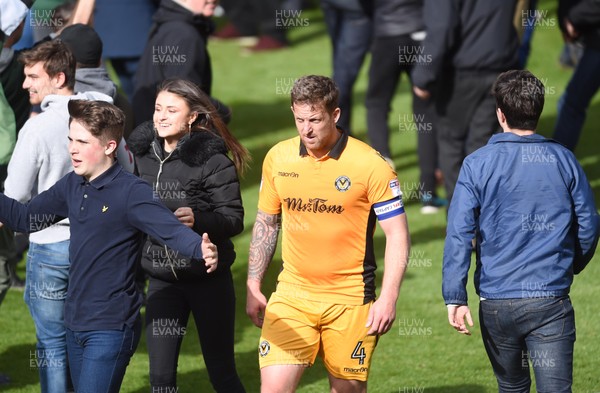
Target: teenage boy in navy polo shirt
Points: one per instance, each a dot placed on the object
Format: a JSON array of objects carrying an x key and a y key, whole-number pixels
[{"x": 109, "y": 210}]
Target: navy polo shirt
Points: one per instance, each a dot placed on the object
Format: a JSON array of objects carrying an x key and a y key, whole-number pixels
[{"x": 108, "y": 218}]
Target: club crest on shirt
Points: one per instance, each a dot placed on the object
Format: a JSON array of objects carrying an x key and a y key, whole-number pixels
[
  {"x": 342, "y": 183},
  {"x": 263, "y": 348}
]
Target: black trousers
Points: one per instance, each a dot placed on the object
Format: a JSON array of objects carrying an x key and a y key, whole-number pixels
[
  {"x": 466, "y": 119},
  {"x": 387, "y": 65},
  {"x": 211, "y": 301},
  {"x": 350, "y": 32}
]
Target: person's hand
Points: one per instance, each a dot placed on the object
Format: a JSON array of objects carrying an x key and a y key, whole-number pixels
[
  {"x": 421, "y": 93},
  {"x": 572, "y": 33},
  {"x": 456, "y": 318},
  {"x": 381, "y": 316},
  {"x": 185, "y": 215},
  {"x": 256, "y": 303},
  {"x": 209, "y": 254}
]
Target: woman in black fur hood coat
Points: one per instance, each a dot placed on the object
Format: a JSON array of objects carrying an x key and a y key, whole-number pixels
[{"x": 183, "y": 154}]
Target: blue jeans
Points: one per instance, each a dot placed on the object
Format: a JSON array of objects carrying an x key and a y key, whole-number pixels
[
  {"x": 350, "y": 32},
  {"x": 98, "y": 358},
  {"x": 537, "y": 331},
  {"x": 573, "y": 105},
  {"x": 45, "y": 291}
]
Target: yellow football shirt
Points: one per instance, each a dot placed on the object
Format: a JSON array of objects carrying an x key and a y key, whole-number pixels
[{"x": 328, "y": 208}]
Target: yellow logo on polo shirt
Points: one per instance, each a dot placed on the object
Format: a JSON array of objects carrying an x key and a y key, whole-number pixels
[{"x": 104, "y": 209}]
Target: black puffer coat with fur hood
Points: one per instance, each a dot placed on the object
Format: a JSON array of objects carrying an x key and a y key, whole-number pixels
[{"x": 197, "y": 174}]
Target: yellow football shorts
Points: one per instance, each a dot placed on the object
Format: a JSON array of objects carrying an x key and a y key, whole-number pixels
[{"x": 295, "y": 330}]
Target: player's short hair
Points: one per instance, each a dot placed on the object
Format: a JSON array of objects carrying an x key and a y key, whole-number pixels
[{"x": 317, "y": 91}]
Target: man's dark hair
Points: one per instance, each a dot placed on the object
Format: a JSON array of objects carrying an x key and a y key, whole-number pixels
[
  {"x": 103, "y": 120},
  {"x": 315, "y": 90},
  {"x": 520, "y": 96},
  {"x": 56, "y": 57}
]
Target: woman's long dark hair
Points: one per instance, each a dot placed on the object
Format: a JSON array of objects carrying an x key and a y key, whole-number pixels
[{"x": 208, "y": 118}]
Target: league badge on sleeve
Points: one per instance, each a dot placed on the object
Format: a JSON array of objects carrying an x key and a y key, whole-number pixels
[{"x": 395, "y": 187}]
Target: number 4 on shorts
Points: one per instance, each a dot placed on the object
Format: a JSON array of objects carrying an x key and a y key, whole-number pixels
[{"x": 359, "y": 353}]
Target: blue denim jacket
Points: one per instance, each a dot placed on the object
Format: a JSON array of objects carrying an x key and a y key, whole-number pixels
[{"x": 529, "y": 205}]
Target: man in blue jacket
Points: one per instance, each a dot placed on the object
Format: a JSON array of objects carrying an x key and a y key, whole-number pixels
[{"x": 527, "y": 202}]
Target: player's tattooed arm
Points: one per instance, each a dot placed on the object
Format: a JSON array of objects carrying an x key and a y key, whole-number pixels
[
  {"x": 263, "y": 244},
  {"x": 262, "y": 248}
]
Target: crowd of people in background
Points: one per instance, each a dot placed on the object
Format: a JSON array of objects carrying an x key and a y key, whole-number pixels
[{"x": 158, "y": 129}]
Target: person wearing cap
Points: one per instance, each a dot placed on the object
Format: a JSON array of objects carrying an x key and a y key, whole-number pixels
[{"x": 87, "y": 47}]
